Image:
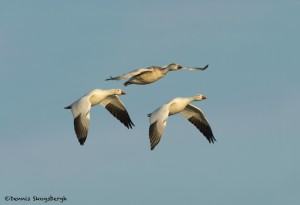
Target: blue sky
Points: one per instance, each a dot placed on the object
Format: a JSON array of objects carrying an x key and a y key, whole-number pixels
[{"x": 52, "y": 52}]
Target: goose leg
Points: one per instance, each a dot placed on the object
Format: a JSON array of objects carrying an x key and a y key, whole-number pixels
[{"x": 127, "y": 83}]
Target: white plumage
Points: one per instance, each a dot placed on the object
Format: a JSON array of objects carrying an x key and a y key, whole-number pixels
[
  {"x": 106, "y": 98},
  {"x": 158, "y": 118}
]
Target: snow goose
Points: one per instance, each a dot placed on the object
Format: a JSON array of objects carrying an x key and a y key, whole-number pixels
[
  {"x": 151, "y": 74},
  {"x": 106, "y": 98},
  {"x": 158, "y": 118}
]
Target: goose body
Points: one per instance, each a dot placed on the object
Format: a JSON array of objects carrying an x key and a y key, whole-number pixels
[
  {"x": 151, "y": 74},
  {"x": 106, "y": 98},
  {"x": 158, "y": 118}
]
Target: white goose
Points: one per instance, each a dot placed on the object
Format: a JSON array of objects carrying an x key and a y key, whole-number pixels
[
  {"x": 106, "y": 98},
  {"x": 158, "y": 118},
  {"x": 151, "y": 74}
]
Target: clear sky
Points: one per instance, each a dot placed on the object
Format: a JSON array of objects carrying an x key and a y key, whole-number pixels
[{"x": 52, "y": 52}]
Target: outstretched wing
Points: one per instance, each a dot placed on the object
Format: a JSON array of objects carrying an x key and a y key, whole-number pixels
[
  {"x": 158, "y": 122},
  {"x": 197, "y": 118},
  {"x": 195, "y": 68},
  {"x": 81, "y": 126},
  {"x": 128, "y": 75},
  {"x": 81, "y": 113},
  {"x": 114, "y": 105}
]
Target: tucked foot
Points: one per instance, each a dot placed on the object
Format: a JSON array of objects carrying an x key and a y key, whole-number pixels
[{"x": 127, "y": 83}]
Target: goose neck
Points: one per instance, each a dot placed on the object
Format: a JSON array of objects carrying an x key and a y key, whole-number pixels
[{"x": 166, "y": 69}]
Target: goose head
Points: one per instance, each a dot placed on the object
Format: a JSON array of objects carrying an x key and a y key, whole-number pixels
[
  {"x": 199, "y": 97},
  {"x": 174, "y": 66},
  {"x": 119, "y": 92}
]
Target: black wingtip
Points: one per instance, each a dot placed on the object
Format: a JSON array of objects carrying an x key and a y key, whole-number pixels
[
  {"x": 68, "y": 107},
  {"x": 111, "y": 78},
  {"x": 212, "y": 140},
  {"x": 82, "y": 141},
  {"x": 205, "y": 67},
  {"x": 129, "y": 125}
]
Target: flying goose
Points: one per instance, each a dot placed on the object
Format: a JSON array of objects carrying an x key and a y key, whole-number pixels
[
  {"x": 106, "y": 98},
  {"x": 151, "y": 74},
  {"x": 158, "y": 118}
]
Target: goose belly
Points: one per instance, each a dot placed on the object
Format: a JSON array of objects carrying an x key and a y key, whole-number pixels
[
  {"x": 175, "y": 108},
  {"x": 148, "y": 77},
  {"x": 95, "y": 99}
]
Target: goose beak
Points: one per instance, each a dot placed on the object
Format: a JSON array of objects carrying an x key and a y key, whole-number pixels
[
  {"x": 203, "y": 97},
  {"x": 123, "y": 93}
]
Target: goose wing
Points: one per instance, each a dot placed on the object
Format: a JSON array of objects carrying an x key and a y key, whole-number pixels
[
  {"x": 197, "y": 118},
  {"x": 114, "y": 105},
  {"x": 195, "y": 68},
  {"x": 81, "y": 113},
  {"x": 131, "y": 74},
  {"x": 158, "y": 122}
]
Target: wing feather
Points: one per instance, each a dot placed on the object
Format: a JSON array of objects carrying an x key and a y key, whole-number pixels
[
  {"x": 196, "y": 68},
  {"x": 114, "y": 105},
  {"x": 158, "y": 121},
  {"x": 81, "y": 113},
  {"x": 197, "y": 118},
  {"x": 130, "y": 74},
  {"x": 81, "y": 126}
]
